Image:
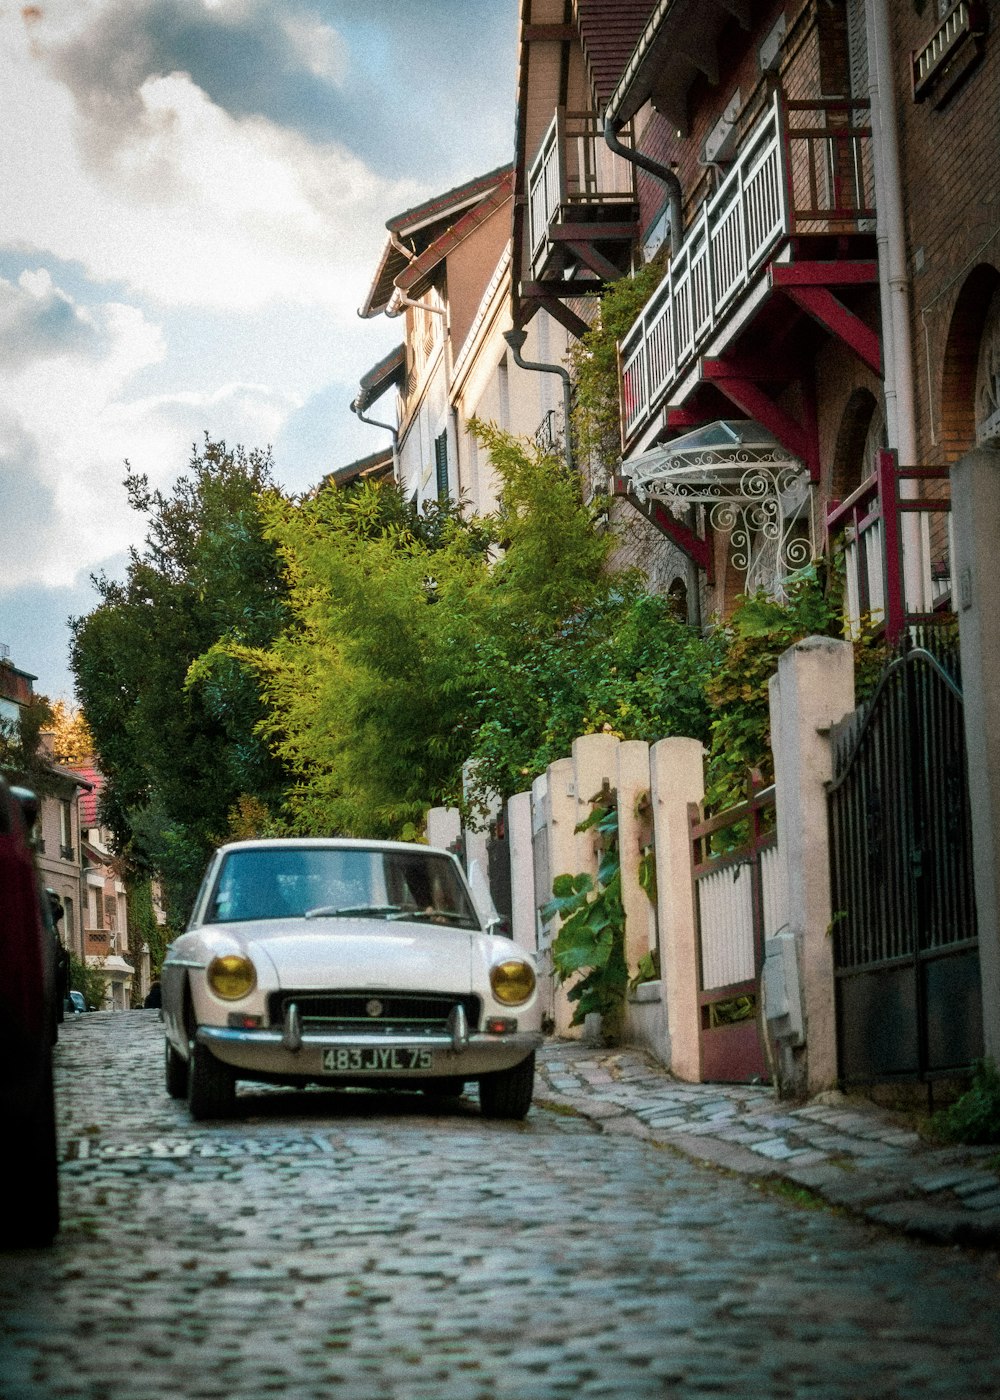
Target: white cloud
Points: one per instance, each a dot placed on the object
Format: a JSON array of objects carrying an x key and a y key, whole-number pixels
[
  {"x": 64, "y": 446},
  {"x": 192, "y": 207}
]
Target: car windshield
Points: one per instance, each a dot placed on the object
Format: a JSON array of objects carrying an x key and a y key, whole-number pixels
[{"x": 328, "y": 882}]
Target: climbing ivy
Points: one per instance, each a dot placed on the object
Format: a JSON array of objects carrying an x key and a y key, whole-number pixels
[
  {"x": 590, "y": 944},
  {"x": 594, "y": 363}
]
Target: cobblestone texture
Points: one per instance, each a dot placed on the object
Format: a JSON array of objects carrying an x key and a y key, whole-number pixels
[
  {"x": 855, "y": 1157},
  {"x": 368, "y": 1247}
]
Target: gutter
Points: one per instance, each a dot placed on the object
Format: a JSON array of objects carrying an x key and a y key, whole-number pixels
[
  {"x": 612, "y": 125},
  {"x": 515, "y": 339},
  {"x": 374, "y": 423}
]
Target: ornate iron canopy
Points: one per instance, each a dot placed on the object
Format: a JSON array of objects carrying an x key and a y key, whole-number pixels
[{"x": 747, "y": 486}]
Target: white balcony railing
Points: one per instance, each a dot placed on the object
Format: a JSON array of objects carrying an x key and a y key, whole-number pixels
[
  {"x": 813, "y": 178},
  {"x": 575, "y": 165}
]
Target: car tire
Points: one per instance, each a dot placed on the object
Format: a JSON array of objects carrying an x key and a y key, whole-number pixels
[
  {"x": 507, "y": 1093},
  {"x": 175, "y": 1072},
  {"x": 450, "y": 1088},
  {"x": 211, "y": 1086}
]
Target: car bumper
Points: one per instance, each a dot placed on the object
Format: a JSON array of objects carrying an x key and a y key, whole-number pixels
[{"x": 364, "y": 1057}]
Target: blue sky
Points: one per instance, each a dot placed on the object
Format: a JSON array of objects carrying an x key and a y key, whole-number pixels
[{"x": 195, "y": 195}]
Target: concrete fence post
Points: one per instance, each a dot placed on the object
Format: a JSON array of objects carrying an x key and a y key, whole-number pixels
[
  {"x": 561, "y": 813},
  {"x": 522, "y": 872},
  {"x": 676, "y": 779},
  {"x": 813, "y": 689},
  {"x": 975, "y": 505},
  {"x": 444, "y": 826}
]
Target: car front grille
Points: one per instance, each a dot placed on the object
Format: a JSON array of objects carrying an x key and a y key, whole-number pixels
[{"x": 374, "y": 1013}]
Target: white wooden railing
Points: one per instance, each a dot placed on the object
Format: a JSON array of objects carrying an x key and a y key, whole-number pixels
[
  {"x": 574, "y": 165},
  {"x": 810, "y": 178}
]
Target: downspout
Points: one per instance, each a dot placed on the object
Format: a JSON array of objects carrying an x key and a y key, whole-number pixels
[
  {"x": 515, "y": 339},
  {"x": 374, "y": 423},
  {"x": 894, "y": 285},
  {"x": 612, "y": 126}
]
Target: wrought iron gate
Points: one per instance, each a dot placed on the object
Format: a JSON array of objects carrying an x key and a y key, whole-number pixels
[{"x": 906, "y": 955}]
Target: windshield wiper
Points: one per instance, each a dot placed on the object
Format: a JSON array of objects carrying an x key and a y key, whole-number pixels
[{"x": 334, "y": 911}]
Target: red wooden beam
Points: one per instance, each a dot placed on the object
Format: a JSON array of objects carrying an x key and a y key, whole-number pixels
[
  {"x": 548, "y": 33},
  {"x": 834, "y": 316},
  {"x": 596, "y": 261},
  {"x": 800, "y": 439},
  {"x": 574, "y": 231},
  {"x": 842, "y": 272},
  {"x": 696, "y": 548}
]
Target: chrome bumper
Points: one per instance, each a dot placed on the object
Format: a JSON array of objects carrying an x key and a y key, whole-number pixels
[{"x": 298, "y": 1053}]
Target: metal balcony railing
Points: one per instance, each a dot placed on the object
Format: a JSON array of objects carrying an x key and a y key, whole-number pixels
[
  {"x": 806, "y": 168},
  {"x": 575, "y": 166}
]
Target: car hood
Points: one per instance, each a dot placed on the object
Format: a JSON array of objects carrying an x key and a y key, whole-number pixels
[{"x": 358, "y": 953}]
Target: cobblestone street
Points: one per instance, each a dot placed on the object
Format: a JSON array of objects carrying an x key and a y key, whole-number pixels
[{"x": 390, "y": 1248}]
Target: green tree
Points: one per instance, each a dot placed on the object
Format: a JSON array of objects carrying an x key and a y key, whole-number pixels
[
  {"x": 177, "y": 756},
  {"x": 23, "y": 760}
]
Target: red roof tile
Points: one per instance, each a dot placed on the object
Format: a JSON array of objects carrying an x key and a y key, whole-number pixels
[{"x": 609, "y": 32}]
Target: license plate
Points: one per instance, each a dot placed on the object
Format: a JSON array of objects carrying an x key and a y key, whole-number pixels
[{"x": 394, "y": 1059}]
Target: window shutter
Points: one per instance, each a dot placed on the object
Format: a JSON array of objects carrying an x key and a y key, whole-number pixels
[{"x": 441, "y": 465}]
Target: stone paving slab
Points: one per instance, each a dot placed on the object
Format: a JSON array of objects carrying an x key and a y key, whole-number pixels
[{"x": 855, "y": 1157}]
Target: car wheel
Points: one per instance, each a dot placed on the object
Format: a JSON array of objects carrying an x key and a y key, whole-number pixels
[
  {"x": 176, "y": 1072},
  {"x": 507, "y": 1093},
  {"x": 450, "y": 1088},
  {"x": 211, "y": 1086}
]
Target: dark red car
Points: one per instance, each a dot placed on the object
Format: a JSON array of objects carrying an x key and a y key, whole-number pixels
[{"x": 29, "y": 1193}]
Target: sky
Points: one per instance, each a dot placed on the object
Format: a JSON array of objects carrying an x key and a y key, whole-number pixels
[{"x": 194, "y": 197}]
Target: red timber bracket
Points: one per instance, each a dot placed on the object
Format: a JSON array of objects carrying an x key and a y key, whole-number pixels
[
  {"x": 547, "y": 296},
  {"x": 698, "y": 550},
  {"x": 740, "y": 382},
  {"x": 808, "y": 285}
]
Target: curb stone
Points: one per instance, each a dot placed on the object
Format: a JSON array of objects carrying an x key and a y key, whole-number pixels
[{"x": 852, "y": 1156}]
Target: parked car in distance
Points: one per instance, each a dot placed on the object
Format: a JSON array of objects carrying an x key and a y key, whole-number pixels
[
  {"x": 76, "y": 1003},
  {"x": 29, "y": 1191},
  {"x": 346, "y": 962}
]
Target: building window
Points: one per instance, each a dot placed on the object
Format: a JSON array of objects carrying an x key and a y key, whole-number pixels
[{"x": 66, "y": 830}]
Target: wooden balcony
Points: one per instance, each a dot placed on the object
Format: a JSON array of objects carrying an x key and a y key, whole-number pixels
[
  {"x": 802, "y": 186},
  {"x": 582, "y": 202},
  {"x": 895, "y": 531}
]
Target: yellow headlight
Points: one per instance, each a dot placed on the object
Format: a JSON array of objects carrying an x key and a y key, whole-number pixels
[
  {"x": 512, "y": 982},
  {"x": 232, "y": 977}
]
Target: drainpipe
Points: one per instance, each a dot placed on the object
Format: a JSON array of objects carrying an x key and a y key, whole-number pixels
[
  {"x": 374, "y": 423},
  {"x": 612, "y": 126},
  {"x": 894, "y": 285},
  {"x": 515, "y": 339}
]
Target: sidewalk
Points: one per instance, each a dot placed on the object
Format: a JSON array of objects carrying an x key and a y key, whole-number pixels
[{"x": 846, "y": 1151}]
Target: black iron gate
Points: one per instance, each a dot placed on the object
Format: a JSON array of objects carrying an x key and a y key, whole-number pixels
[{"x": 906, "y": 955}]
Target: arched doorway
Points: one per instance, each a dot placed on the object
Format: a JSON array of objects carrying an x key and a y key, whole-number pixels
[{"x": 969, "y": 381}]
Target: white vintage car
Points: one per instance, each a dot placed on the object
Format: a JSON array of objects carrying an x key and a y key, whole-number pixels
[{"x": 337, "y": 961}]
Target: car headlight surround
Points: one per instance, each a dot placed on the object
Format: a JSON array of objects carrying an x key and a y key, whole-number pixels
[
  {"x": 512, "y": 981},
  {"x": 231, "y": 976}
]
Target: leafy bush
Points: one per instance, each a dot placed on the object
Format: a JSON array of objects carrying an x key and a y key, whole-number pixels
[
  {"x": 591, "y": 939},
  {"x": 975, "y": 1117}
]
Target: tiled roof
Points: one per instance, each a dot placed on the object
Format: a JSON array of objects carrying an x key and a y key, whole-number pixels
[
  {"x": 609, "y": 32},
  {"x": 371, "y": 468},
  {"x": 413, "y": 279},
  {"x": 419, "y": 227},
  {"x": 87, "y": 773},
  {"x": 380, "y": 377}
]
